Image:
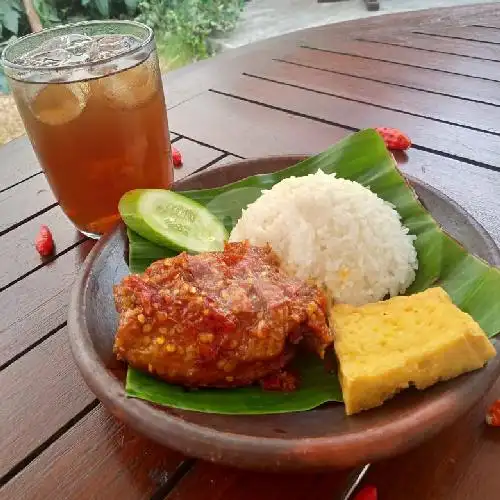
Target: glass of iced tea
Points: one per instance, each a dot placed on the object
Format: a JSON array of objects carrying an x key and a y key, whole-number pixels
[{"x": 91, "y": 98}]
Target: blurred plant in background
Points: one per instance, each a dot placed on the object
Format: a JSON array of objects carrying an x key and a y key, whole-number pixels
[
  {"x": 13, "y": 19},
  {"x": 53, "y": 12},
  {"x": 182, "y": 27}
]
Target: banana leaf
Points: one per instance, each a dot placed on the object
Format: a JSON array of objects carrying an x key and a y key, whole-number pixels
[
  {"x": 317, "y": 386},
  {"x": 473, "y": 285},
  {"x": 141, "y": 252}
]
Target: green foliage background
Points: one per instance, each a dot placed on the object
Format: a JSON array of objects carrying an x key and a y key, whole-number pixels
[{"x": 182, "y": 27}]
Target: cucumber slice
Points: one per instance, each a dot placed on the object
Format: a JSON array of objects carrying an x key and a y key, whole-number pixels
[{"x": 172, "y": 220}]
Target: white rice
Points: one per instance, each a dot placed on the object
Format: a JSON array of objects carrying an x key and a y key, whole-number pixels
[{"x": 336, "y": 232}]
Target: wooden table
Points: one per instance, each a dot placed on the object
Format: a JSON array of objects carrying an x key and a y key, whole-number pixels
[{"x": 433, "y": 74}]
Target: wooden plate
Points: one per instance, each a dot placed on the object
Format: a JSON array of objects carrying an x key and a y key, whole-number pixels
[{"x": 317, "y": 439}]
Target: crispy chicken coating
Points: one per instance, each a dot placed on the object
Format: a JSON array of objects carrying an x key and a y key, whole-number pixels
[{"x": 219, "y": 319}]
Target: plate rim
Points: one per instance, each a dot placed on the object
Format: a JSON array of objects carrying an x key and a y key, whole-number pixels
[{"x": 243, "y": 450}]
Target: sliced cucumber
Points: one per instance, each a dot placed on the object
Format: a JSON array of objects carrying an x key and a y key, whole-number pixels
[{"x": 172, "y": 220}]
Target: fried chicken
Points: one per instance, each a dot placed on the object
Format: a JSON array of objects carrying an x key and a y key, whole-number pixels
[{"x": 219, "y": 319}]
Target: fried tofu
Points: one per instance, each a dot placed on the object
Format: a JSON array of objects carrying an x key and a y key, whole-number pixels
[{"x": 417, "y": 340}]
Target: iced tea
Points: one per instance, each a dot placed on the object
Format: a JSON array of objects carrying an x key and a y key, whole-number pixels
[{"x": 91, "y": 99}]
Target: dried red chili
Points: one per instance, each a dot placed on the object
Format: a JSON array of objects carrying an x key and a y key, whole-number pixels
[
  {"x": 176, "y": 158},
  {"x": 44, "y": 243},
  {"x": 493, "y": 415},
  {"x": 369, "y": 492},
  {"x": 394, "y": 138}
]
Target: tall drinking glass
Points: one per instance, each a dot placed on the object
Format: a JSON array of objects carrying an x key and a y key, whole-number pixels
[{"x": 91, "y": 99}]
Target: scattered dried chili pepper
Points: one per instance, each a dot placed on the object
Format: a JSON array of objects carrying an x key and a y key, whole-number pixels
[
  {"x": 44, "y": 243},
  {"x": 394, "y": 138},
  {"x": 369, "y": 492},
  {"x": 177, "y": 158},
  {"x": 493, "y": 415}
]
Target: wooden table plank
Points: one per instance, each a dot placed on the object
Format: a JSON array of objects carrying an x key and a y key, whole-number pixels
[
  {"x": 18, "y": 254},
  {"x": 24, "y": 200},
  {"x": 483, "y": 35},
  {"x": 18, "y": 162},
  {"x": 440, "y": 108},
  {"x": 195, "y": 157},
  {"x": 221, "y": 483},
  {"x": 296, "y": 97},
  {"x": 407, "y": 57},
  {"x": 38, "y": 304},
  {"x": 431, "y": 44},
  {"x": 434, "y": 81},
  {"x": 40, "y": 393},
  {"x": 459, "y": 15},
  {"x": 474, "y": 189},
  {"x": 226, "y": 123},
  {"x": 190, "y": 81},
  {"x": 98, "y": 458},
  {"x": 487, "y": 22},
  {"x": 224, "y": 161}
]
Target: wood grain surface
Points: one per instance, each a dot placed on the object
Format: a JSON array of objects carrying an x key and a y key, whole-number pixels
[
  {"x": 41, "y": 392},
  {"x": 227, "y": 123},
  {"x": 439, "y": 45},
  {"x": 218, "y": 483},
  {"x": 473, "y": 33},
  {"x": 24, "y": 200},
  {"x": 19, "y": 257},
  {"x": 195, "y": 157},
  {"x": 388, "y": 73},
  {"x": 116, "y": 464},
  {"x": 487, "y": 22},
  {"x": 35, "y": 306},
  {"x": 407, "y": 57},
  {"x": 18, "y": 162},
  {"x": 435, "y": 75},
  {"x": 285, "y": 106},
  {"x": 311, "y": 94},
  {"x": 443, "y": 108}
]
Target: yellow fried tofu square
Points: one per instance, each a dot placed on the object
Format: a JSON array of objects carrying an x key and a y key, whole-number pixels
[{"x": 417, "y": 340}]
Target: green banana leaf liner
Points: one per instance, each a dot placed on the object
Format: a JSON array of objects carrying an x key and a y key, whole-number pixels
[{"x": 473, "y": 285}]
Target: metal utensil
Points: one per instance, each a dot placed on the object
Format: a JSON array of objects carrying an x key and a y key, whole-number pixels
[{"x": 353, "y": 481}]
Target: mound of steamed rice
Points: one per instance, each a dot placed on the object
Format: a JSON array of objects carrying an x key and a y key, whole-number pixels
[{"x": 336, "y": 232}]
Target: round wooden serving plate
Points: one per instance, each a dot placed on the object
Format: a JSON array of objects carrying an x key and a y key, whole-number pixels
[{"x": 317, "y": 439}]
